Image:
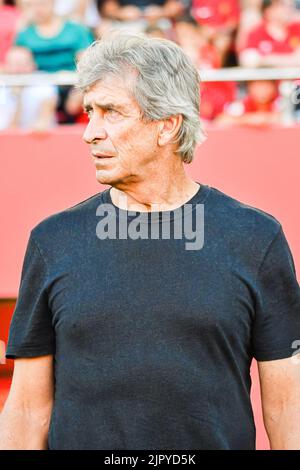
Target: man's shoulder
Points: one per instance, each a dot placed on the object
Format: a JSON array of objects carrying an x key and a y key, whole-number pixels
[
  {"x": 244, "y": 219},
  {"x": 71, "y": 218}
]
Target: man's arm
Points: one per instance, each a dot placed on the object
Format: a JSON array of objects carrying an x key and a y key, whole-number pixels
[
  {"x": 280, "y": 394},
  {"x": 25, "y": 418}
]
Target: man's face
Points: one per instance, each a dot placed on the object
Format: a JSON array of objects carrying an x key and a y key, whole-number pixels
[
  {"x": 38, "y": 11},
  {"x": 123, "y": 146}
]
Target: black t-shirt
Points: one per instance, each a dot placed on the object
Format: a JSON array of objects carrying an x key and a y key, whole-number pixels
[{"x": 153, "y": 341}]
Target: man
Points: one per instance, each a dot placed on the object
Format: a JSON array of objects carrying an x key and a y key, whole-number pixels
[{"x": 127, "y": 336}]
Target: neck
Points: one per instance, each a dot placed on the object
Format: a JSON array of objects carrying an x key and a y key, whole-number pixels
[
  {"x": 48, "y": 22},
  {"x": 164, "y": 189}
]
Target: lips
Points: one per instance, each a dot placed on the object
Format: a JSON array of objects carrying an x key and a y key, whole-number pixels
[{"x": 101, "y": 155}]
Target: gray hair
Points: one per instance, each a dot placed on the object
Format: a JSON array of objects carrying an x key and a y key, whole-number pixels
[{"x": 167, "y": 83}]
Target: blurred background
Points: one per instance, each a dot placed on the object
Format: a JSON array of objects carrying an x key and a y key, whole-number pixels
[{"x": 248, "y": 55}]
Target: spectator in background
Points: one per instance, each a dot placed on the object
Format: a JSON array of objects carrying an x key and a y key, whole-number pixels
[
  {"x": 215, "y": 97},
  {"x": 217, "y": 14},
  {"x": 9, "y": 16},
  {"x": 219, "y": 20},
  {"x": 152, "y": 10},
  {"x": 224, "y": 41},
  {"x": 188, "y": 34},
  {"x": 191, "y": 36},
  {"x": 250, "y": 17},
  {"x": 83, "y": 11},
  {"x": 276, "y": 41},
  {"x": 205, "y": 55},
  {"x": 137, "y": 15},
  {"x": 29, "y": 107},
  {"x": 260, "y": 107},
  {"x": 54, "y": 42}
]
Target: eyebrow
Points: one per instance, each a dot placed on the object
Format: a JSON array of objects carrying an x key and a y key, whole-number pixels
[{"x": 88, "y": 106}]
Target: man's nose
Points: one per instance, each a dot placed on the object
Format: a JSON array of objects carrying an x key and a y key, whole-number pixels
[{"x": 94, "y": 131}]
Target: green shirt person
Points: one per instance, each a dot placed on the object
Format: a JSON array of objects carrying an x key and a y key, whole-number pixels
[{"x": 56, "y": 52}]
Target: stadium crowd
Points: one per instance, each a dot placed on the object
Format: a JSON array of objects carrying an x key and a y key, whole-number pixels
[{"x": 49, "y": 35}]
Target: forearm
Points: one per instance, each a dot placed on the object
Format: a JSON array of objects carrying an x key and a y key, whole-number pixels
[
  {"x": 21, "y": 429},
  {"x": 283, "y": 429}
]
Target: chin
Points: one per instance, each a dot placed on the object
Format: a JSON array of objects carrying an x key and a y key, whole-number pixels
[{"x": 104, "y": 177}]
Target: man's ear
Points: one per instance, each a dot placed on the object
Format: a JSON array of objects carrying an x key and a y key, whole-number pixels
[{"x": 168, "y": 129}]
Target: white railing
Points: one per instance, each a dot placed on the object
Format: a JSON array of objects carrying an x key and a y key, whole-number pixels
[
  {"x": 241, "y": 74},
  {"x": 238, "y": 74}
]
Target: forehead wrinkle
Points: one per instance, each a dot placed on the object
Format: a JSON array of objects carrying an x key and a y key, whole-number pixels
[
  {"x": 105, "y": 105},
  {"x": 106, "y": 89},
  {"x": 122, "y": 105}
]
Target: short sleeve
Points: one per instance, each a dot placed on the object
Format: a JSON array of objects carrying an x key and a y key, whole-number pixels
[
  {"x": 31, "y": 332},
  {"x": 277, "y": 317}
]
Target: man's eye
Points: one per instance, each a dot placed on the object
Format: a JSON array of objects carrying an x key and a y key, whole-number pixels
[{"x": 112, "y": 112}]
